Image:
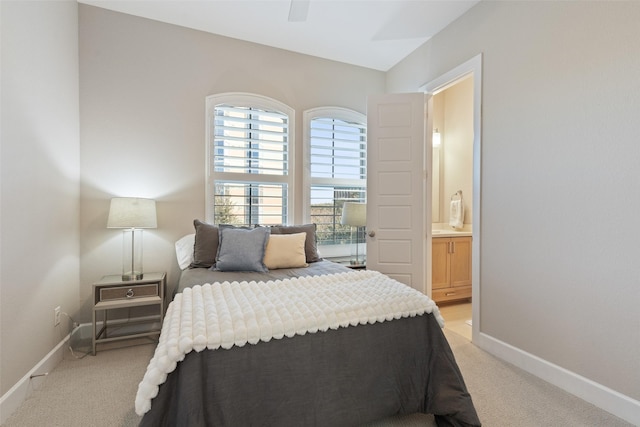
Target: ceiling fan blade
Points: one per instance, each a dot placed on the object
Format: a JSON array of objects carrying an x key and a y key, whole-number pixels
[{"x": 298, "y": 10}]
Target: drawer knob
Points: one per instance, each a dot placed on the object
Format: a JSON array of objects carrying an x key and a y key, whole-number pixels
[{"x": 130, "y": 293}]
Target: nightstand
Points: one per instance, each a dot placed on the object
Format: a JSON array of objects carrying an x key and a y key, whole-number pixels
[
  {"x": 347, "y": 263},
  {"x": 111, "y": 292}
]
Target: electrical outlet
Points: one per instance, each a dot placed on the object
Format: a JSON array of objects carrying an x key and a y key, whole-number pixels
[{"x": 56, "y": 314}]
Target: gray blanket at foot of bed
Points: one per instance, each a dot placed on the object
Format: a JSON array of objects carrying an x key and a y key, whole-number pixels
[{"x": 344, "y": 377}]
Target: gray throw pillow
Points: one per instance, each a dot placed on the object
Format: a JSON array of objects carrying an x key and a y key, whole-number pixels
[
  {"x": 242, "y": 249},
  {"x": 205, "y": 247}
]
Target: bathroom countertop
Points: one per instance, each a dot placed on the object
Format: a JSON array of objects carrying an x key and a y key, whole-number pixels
[{"x": 450, "y": 233}]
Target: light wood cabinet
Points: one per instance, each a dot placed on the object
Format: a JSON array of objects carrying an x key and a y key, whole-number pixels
[{"x": 451, "y": 268}]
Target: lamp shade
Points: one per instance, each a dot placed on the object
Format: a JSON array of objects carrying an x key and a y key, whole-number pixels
[
  {"x": 132, "y": 212},
  {"x": 354, "y": 214}
]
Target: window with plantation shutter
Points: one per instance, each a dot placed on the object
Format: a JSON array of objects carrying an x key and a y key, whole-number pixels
[
  {"x": 336, "y": 158},
  {"x": 249, "y": 160}
]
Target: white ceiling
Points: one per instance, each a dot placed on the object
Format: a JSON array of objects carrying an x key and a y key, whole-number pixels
[{"x": 375, "y": 34}]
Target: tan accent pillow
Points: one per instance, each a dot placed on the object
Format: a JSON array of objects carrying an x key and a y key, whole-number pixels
[
  {"x": 311, "y": 246},
  {"x": 285, "y": 251}
]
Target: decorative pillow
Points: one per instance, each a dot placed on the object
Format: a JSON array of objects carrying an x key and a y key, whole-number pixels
[
  {"x": 184, "y": 250},
  {"x": 285, "y": 251},
  {"x": 242, "y": 249},
  {"x": 205, "y": 247},
  {"x": 310, "y": 245},
  {"x": 237, "y": 227},
  {"x": 243, "y": 227}
]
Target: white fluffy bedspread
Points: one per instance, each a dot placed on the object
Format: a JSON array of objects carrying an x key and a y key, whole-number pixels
[{"x": 227, "y": 314}]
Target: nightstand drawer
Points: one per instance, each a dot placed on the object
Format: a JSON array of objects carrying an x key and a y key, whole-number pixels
[{"x": 128, "y": 292}]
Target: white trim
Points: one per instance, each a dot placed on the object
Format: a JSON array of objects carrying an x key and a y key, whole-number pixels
[
  {"x": 15, "y": 396},
  {"x": 472, "y": 67},
  {"x": 21, "y": 390},
  {"x": 597, "y": 394}
]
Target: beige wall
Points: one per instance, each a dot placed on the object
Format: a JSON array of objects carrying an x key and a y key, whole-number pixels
[
  {"x": 457, "y": 146},
  {"x": 559, "y": 275},
  {"x": 453, "y": 117},
  {"x": 40, "y": 181},
  {"x": 560, "y": 177},
  {"x": 142, "y": 96}
]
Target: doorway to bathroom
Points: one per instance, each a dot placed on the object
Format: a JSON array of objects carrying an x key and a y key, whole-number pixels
[{"x": 455, "y": 112}]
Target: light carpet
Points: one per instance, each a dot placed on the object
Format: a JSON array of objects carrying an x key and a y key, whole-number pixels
[{"x": 100, "y": 390}]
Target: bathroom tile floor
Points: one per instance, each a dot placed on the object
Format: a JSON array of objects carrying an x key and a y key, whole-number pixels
[{"x": 457, "y": 317}]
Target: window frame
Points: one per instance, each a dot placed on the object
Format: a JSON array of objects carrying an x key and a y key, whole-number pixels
[
  {"x": 242, "y": 99},
  {"x": 338, "y": 113}
]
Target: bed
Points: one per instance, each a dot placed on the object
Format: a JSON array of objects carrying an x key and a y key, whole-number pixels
[{"x": 312, "y": 343}]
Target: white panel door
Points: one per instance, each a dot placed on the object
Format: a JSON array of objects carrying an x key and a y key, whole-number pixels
[{"x": 397, "y": 187}]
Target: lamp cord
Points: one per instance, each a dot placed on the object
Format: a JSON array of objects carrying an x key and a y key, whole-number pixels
[{"x": 75, "y": 325}]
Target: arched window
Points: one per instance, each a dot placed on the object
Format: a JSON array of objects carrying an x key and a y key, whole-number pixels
[
  {"x": 249, "y": 160},
  {"x": 336, "y": 170}
]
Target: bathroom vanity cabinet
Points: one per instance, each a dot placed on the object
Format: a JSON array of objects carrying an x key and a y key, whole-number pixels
[{"x": 451, "y": 268}]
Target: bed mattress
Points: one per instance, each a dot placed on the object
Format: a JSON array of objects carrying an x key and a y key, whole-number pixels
[{"x": 340, "y": 377}]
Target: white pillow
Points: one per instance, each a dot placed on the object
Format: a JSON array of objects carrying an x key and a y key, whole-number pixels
[
  {"x": 285, "y": 251},
  {"x": 184, "y": 250}
]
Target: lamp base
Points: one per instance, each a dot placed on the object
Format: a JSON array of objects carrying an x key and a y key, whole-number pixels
[
  {"x": 132, "y": 254},
  {"x": 136, "y": 275},
  {"x": 358, "y": 253}
]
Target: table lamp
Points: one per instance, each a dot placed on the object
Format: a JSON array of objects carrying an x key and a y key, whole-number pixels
[
  {"x": 133, "y": 214},
  {"x": 355, "y": 215}
]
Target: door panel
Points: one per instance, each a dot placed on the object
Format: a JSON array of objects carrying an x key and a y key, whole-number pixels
[
  {"x": 396, "y": 187},
  {"x": 388, "y": 216},
  {"x": 395, "y": 251},
  {"x": 395, "y": 183},
  {"x": 395, "y": 149}
]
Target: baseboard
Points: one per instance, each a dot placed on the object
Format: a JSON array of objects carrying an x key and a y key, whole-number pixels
[
  {"x": 603, "y": 397},
  {"x": 13, "y": 398}
]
